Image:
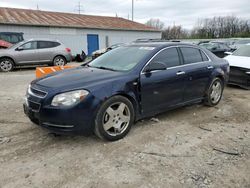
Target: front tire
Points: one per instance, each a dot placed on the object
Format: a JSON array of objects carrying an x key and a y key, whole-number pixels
[
  {"x": 214, "y": 93},
  {"x": 6, "y": 65},
  {"x": 114, "y": 118}
]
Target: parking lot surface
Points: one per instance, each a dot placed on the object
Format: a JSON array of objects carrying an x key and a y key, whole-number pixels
[{"x": 195, "y": 146}]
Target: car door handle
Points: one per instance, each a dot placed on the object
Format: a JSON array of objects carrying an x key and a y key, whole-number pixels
[
  {"x": 180, "y": 73},
  {"x": 210, "y": 67}
]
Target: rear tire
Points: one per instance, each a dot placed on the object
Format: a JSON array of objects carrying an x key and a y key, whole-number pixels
[
  {"x": 114, "y": 118},
  {"x": 59, "y": 61},
  {"x": 6, "y": 64},
  {"x": 214, "y": 93}
]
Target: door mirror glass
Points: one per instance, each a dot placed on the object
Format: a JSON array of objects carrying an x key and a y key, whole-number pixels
[{"x": 155, "y": 66}]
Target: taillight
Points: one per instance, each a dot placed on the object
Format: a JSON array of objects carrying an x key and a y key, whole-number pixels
[{"x": 68, "y": 50}]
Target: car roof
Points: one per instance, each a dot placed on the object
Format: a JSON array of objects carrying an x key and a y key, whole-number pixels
[
  {"x": 162, "y": 44},
  {"x": 43, "y": 39},
  {"x": 9, "y": 33}
]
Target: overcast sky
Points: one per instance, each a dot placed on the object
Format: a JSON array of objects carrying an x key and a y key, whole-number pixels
[{"x": 180, "y": 12}]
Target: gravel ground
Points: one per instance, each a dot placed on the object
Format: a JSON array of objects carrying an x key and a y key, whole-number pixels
[{"x": 180, "y": 148}]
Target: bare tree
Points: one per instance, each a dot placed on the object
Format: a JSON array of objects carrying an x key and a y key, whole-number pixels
[
  {"x": 174, "y": 32},
  {"x": 221, "y": 27},
  {"x": 156, "y": 23}
]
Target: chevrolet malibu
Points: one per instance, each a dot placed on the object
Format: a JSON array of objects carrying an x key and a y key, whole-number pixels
[{"x": 108, "y": 95}]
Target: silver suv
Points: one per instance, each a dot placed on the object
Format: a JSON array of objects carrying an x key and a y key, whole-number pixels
[{"x": 34, "y": 52}]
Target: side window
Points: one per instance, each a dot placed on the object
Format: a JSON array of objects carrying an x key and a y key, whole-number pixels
[
  {"x": 169, "y": 57},
  {"x": 204, "y": 57},
  {"x": 43, "y": 44},
  {"x": 55, "y": 44},
  {"x": 30, "y": 46},
  {"x": 47, "y": 44},
  {"x": 191, "y": 55}
]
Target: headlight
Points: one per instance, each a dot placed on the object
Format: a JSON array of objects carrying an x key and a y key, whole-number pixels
[{"x": 69, "y": 98}]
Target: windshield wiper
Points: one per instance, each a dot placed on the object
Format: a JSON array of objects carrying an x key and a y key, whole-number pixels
[{"x": 106, "y": 68}]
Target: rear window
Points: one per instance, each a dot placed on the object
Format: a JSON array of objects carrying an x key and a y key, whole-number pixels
[
  {"x": 191, "y": 55},
  {"x": 47, "y": 44}
]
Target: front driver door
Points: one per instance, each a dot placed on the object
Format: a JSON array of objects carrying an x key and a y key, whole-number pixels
[
  {"x": 164, "y": 88},
  {"x": 27, "y": 53}
]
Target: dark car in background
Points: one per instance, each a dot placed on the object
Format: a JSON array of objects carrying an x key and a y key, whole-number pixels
[
  {"x": 7, "y": 39},
  {"x": 98, "y": 53},
  {"x": 34, "y": 52},
  {"x": 217, "y": 48},
  {"x": 124, "y": 85},
  {"x": 239, "y": 43}
]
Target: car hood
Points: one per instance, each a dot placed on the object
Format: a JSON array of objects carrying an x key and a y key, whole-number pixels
[
  {"x": 80, "y": 77},
  {"x": 238, "y": 61}
]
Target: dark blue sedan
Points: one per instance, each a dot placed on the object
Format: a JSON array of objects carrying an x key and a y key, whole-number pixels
[{"x": 109, "y": 94}]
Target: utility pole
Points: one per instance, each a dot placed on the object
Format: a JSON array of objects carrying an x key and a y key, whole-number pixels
[
  {"x": 79, "y": 7},
  {"x": 132, "y": 10}
]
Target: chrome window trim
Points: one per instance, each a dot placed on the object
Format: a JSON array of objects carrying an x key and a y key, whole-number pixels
[{"x": 209, "y": 60}]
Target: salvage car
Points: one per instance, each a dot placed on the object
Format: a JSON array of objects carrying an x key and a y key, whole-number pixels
[
  {"x": 7, "y": 39},
  {"x": 218, "y": 48},
  {"x": 239, "y": 62},
  {"x": 34, "y": 52},
  {"x": 125, "y": 85},
  {"x": 239, "y": 43},
  {"x": 98, "y": 53}
]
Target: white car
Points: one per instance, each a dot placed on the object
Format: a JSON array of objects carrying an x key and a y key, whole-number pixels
[{"x": 239, "y": 62}]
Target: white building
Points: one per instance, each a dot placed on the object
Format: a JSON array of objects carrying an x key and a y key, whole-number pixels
[{"x": 78, "y": 32}]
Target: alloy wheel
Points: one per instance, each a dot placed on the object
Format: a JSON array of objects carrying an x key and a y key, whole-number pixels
[
  {"x": 116, "y": 119},
  {"x": 216, "y": 92}
]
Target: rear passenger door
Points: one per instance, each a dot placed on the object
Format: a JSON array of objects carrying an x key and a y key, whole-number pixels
[
  {"x": 46, "y": 50},
  {"x": 198, "y": 69}
]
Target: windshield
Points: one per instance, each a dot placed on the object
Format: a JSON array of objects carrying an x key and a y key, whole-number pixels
[
  {"x": 122, "y": 58},
  {"x": 242, "y": 42},
  {"x": 243, "y": 51},
  {"x": 208, "y": 46}
]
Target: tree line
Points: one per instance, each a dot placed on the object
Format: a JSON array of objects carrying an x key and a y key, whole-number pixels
[{"x": 216, "y": 27}]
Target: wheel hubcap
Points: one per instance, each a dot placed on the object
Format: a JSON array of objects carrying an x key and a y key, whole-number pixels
[
  {"x": 59, "y": 62},
  {"x": 6, "y": 65},
  {"x": 216, "y": 92},
  {"x": 116, "y": 119}
]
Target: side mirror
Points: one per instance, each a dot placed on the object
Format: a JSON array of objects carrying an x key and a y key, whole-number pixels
[
  {"x": 155, "y": 66},
  {"x": 228, "y": 53},
  {"x": 214, "y": 48},
  {"x": 20, "y": 48}
]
